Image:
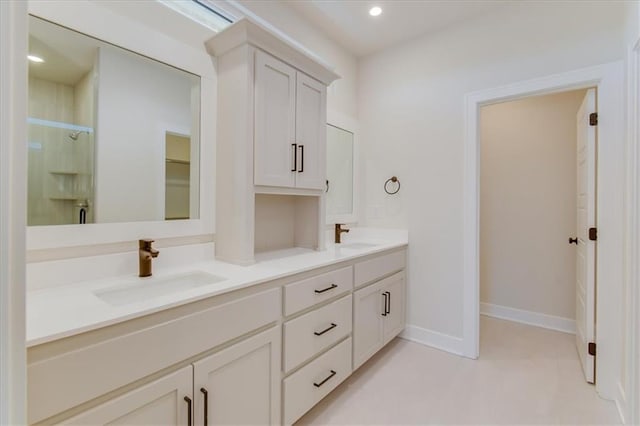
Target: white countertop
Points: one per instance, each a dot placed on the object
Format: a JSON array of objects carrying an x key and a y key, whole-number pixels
[{"x": 67, "y": 310}]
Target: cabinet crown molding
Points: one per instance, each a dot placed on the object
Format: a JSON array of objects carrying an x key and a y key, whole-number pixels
[{"x": 246, "y": 31}]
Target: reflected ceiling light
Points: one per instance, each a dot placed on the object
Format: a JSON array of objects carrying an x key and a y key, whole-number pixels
[
  {"x": 35, "y": 59},
  {"x": 375, "y": 11}
]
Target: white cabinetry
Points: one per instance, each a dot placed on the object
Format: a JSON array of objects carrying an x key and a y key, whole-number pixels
[
  {"x": 311, "y": 132},
  {"x": 223, "y": 360},
  {"x": 379, "y": 315},
  {"x": 290, "y": 112},
  {"x": 271, "y": 141},
  {"x": 240, "y": 384},
  {"x": 166, "y": 401},
  {"x": 275, "y": 121}
]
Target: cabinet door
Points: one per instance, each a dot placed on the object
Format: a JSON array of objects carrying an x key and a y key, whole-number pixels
[
  {"x": 161, "y": 402},
  {"x": 368, "y": 310},
  {"x": 311, "y": 132},
  {"x": 394, "y": 321},
  {"x": 240, "y": 384},
  {"x": 274, "y": 135}
]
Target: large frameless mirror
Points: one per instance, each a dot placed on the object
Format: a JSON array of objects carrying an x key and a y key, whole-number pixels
[{"x": 113, "y": 136}]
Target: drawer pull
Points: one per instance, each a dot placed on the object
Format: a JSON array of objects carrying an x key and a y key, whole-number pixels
[
  {"x": 331, "y": 327},
  {"x": 331, "y": 287},
  {"x": 295, "y": 156},
  {"x": 189, "y": 420},
  {"x": 384, "y": 313},
  {"x": 388, "y": 307},
  {"x": 205, "y": 405},
  {"x": 333, "y": 373}
]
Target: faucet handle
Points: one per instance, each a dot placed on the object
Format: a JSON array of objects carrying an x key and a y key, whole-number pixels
[{"x": 145, "y": 243}]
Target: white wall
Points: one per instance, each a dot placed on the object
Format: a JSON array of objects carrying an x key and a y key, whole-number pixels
[
  {"x": 138, "y": 101},
  {"x": 410, "y": 103},
  {"x": 528, "y": 204}
]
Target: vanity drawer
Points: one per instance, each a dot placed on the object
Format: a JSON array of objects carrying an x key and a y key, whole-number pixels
[
  {"x": 313, "y": 332},
  {"x": 378, "y": 267},
  {"x": 79, "y": 374},
  {"x": 306, "y": 387},
  {"x": 303, "y": 294}
]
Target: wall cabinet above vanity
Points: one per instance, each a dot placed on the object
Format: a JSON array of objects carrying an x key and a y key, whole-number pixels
[
  {"x": 271, "y": 141},
  {"x": 290, "y": 133}
]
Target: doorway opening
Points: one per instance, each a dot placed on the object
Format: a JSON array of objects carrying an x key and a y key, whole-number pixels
[
  {"x": 537, "y": 202},
  {"x": 609, "y": 81}
]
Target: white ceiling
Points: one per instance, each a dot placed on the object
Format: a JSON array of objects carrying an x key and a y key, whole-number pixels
[{"x": 349, "y": 24}]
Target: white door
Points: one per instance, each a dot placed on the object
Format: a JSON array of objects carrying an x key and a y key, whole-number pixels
[
  {"x": 586, "y": 255},
  {"x": 240, "y": 384},
  {"x": 369, "y": 311},
  {"x": 166, "y": 401},
  {"x": 395, "y": 312},
  {"x": 275, "y": 122},
  {"x": 311, "y": 132}
]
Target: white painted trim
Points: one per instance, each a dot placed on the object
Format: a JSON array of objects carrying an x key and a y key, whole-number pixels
[
  {"x": 609, "y": 79},
  {"x": 552, "y": 322},
  {"x": 433, "y": 339},
  {"x": 631, "y": 411},
  {"x": 13, "y": 159}
]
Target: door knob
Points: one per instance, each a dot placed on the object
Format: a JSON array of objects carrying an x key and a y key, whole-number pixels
[{"x": 573, "y": 241}]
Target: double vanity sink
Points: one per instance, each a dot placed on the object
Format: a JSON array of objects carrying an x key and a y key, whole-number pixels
[
  {"x": 134, "y": 290},
  {"x": 293, "y": 325}
]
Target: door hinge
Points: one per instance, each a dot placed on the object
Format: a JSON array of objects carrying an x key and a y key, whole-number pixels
[
  {"x": 593, "y": 234},
  {"x": 592, "y": 349},
  {"x": 593, "y": 119}
]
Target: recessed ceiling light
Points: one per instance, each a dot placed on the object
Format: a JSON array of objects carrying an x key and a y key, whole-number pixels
[
  {"x": 35, "y": 59},
  {"x": 375, "y": 11}
]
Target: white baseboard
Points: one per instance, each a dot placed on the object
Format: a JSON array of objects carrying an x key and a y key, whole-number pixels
[
  {"x": 551, "y": 322},
  {"x": 433, "y": 339}
]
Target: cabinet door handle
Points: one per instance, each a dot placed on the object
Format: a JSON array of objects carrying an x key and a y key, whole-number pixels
[
  {"x": 295, "y": 156},
  {"x": 388, "y": 302},
  {"x": 301, "y": 169},
  {"x": 331, "y": 327},
  {"x": 384, "y": 314},
  {"x": 189, "y": 419},
  {"x": 206, "y": 406},
  {"x": 333, "y": 373},
  {"x": 331, "y": 287}
]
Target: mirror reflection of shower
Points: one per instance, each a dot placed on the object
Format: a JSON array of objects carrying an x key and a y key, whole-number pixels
[{"x": 74, "y": 135}]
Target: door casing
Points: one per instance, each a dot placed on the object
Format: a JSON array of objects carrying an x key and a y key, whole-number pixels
[{"x": 609, "y": 81}]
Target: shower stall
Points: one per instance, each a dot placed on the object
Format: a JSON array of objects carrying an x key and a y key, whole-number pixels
[{"x": 60, "y": 178}]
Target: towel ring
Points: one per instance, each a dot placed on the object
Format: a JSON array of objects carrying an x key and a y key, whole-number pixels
[{"x": 393, "y": 179}]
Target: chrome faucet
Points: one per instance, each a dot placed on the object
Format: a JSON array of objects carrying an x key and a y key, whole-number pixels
[
  {"x": 339, "y": 231},
  {"x": 145, "y": 254}
]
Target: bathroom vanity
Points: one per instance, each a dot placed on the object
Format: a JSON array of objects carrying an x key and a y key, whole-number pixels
[
  {"x": 262, "y": 345},
  {"x": 259, "y": 335}
]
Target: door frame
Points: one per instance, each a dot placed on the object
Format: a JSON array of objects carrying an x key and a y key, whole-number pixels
[
  {"x": 13, "y": 161},
  {"x": 609, "y": 81},
  {"x": 630, "y": 394}
]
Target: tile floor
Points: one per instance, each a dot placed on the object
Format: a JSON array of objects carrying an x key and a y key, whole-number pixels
[{"x": 525, "y": 375}]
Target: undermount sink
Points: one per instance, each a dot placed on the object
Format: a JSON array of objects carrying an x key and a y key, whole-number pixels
[
  {"x": 137, "y": 290},
  {"x": 355, "y": 246}
]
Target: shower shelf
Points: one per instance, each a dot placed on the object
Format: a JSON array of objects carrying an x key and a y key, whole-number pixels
[
  {"x": 65, "y": 198},
  {"x": 61, "y": 172}
]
